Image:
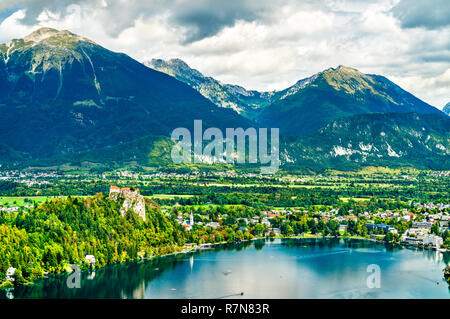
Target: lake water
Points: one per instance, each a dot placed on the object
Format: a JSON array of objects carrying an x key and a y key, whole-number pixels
[{"x": 288, "y": 268}]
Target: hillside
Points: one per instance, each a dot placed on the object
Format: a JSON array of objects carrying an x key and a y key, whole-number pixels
[
  {"x": 309, "y": 104},
  {"x": 62, "y": 93},
  {"x": 394, "y": 139},
  {"x": 61, "y": 232},
  {"x": 245, "y": 102},
  {"x": 335, "y": 93},
  {"x": 67, "y": 101}
]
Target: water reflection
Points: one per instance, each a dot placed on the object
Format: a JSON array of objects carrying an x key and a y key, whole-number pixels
[{"x": 191, "y": 262}]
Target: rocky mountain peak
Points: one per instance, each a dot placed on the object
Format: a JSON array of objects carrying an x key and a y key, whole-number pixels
[
  {"x": 346, "y": 69},
  {"x": 54, "y": 36},
  {"x": 41, "y": 34},
  {"x": 174, "y": 67},
  {"x": 45, "y": 43}
]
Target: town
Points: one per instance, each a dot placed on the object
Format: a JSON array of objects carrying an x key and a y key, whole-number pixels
[
  {"x": 181, "y": 212},
  {"x": 424, "y": 233}
]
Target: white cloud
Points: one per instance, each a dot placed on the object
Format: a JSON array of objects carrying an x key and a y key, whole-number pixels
[
  {"x": 428, "y": 88},
  {"x": 266, "y": 47},
  {"x": 11, "y": 27}
]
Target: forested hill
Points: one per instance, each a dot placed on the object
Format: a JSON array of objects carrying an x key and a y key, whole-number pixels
[
  {"x": 62, "y": 93},
  {"x": 62, "y": 231}
]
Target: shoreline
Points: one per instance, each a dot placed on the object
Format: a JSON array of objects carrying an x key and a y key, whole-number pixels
[
  {"x": 292, "y": 237},
  {"x": 211, "y": 245}
]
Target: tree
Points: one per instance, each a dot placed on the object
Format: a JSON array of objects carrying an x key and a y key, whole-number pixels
[
  {"x": 389, "y": 237},
  {"x": 435, "y": 229},
  {"x": 289, "y": 230},
  {"x": 258, "y": 230}
]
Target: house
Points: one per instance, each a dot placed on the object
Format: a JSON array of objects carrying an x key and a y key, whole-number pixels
[
  {"x": 413, "y": 240},
  {"x": 343, "y": 228},
  {"x": 274, "y": 214},
  {"x": 90, "y": 259},
  {"x": 422, "y": 225},
  {"x": 276, "y": 231},
  {"x": 10, "y": 274},
  {"x": 113, "y": 189},
  {"x": 431, "y": 240},
  {"x": 405, "y": 218},
  {"x": 381, "y": 227},
  {"x": 255, "y": 219},
  {"x": 266, "y": 222},
  {"x": 443, "y": 224},
  {"x": 213, "y": 224}
]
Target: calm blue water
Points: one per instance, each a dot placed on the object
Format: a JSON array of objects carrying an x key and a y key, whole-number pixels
[{"x": 297, "y": 268}]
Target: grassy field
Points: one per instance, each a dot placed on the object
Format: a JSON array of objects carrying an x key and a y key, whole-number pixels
[
  {"x": 356, "y": 199},
  {"x": 165, "y": 207},
  {"x": 22, "y": 201},
  {"x": 19, "y": 201},
  {"x": 168, "y": 196},
  {"x": 264, "y": 185}
]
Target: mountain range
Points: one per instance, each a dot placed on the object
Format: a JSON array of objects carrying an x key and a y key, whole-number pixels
[
  {"x": 61, "y": 93},
  {"x": 390, "y": 139},
  {"x": 64, "y": 98},
  {"x": 387, "y": 139},
  {"x": 310, "y": 103},
  {"x": 245, "y": 102}
]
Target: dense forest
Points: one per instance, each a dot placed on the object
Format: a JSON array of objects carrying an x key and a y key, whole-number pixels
[{"x": 63, "y": 231}]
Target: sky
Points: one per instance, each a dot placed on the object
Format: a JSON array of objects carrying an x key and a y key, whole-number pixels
[{"x": 262, "y": 44}]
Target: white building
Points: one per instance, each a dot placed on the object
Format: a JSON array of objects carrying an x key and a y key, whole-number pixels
[
  {"x": 90, "y": 259},
  {"x": 10, "y": 274},
  {"x": 412, "y": 240},
  {"x": 431, "y": 240},
  {"x": 266, "y": 222},
  {"x": 213, "y": 224},
  {"x": 276, "y": 230}
]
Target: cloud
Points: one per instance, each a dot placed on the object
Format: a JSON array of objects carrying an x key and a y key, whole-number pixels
[
  {"x": 198, "y": 19},
  {"x": 33, "y": 8},
  {"x": 262, "y": 44},
  {"x": 429, "y": 14},
  {"x": 205, "y": 18},
  {"x": 428, "y": 87}
]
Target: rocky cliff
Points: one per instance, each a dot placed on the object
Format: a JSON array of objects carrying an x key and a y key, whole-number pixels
[{"x": 133, "y": 200}]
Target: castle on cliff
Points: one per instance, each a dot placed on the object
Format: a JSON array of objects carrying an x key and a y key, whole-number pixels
[{"x": 133, "y": 200}]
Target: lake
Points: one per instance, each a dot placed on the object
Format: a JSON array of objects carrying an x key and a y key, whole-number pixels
[{"x": 277, "y": 268}]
